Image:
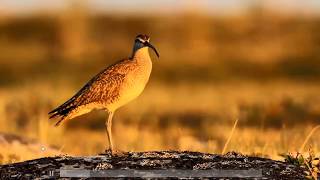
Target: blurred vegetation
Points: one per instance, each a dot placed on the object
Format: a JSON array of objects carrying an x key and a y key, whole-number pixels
[
  {"x": 260, "y": 67},
  {"x": 258, "y": 46}
]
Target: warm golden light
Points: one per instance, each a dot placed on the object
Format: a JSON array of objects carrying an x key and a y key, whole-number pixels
[{"x": 251, "y": 62}]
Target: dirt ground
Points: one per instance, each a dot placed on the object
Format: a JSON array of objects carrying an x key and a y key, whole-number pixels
[{"x": 49, "y": 167}]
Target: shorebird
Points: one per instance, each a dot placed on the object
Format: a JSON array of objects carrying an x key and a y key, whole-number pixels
[{"x": 112, "y": 88}]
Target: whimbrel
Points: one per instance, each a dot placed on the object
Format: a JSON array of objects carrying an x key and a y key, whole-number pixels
[{"x": 112, "y": 88}]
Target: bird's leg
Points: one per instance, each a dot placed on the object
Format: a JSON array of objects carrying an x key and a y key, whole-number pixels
[{"x": 108, "y": 128}]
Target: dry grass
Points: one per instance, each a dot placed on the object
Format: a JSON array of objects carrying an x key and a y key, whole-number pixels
[
  {"x": 308, "y": 137},
  {"x": 230, "y": 136},
  {"x": 150, "y": 123}
]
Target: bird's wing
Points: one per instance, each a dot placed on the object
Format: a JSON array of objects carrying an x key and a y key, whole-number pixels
[{"x": 102, "y": 88}]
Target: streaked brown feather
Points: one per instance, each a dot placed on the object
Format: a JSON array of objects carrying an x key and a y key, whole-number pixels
[{"x": 101, "y": 89}]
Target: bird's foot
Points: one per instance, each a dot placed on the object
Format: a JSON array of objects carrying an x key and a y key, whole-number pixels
[{"x": 114, "y": 152}]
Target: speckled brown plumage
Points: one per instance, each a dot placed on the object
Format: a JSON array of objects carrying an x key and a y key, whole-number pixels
[
  {"x": 102, "y": 89},
  {"x": 112, "y": 88}
]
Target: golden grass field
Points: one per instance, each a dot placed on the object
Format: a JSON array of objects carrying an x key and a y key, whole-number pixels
[
  {"x": 260, "y": 68},
  {"x": 170, "y": 121}
]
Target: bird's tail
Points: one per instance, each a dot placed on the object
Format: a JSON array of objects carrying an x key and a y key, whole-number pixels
[
  {"x": 65, "y": 111},
  {"x": 62, "y": 112}
]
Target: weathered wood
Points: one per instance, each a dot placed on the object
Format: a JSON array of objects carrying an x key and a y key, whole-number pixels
[{"x": 156, "y": 160}]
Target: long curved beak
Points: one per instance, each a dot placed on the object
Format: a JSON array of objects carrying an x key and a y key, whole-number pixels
[{"x": 152, "y": 47}]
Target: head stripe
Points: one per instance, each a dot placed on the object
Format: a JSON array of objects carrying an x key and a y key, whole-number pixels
[{"x": 143, "y": 38}]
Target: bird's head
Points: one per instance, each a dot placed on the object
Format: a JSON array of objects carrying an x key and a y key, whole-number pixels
[{"x": 142, "y": 41}]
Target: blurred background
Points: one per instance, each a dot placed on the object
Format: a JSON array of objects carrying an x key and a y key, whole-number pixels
[{"x": 257, "y": 61}]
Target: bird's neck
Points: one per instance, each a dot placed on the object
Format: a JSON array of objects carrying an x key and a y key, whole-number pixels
[{"x": 142, "y": 56}]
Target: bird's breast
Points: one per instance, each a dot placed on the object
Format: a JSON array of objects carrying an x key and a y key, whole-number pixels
[{"x": 133, "y": 86}]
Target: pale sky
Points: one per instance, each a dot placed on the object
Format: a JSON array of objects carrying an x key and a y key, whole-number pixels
[{"x": 165, "y": 6}]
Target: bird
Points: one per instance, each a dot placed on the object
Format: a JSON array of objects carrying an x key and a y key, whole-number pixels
[{"x": 111, "y": 88}]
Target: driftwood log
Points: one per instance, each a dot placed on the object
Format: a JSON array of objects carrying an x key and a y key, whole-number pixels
[{"x": 190, "y": 164}]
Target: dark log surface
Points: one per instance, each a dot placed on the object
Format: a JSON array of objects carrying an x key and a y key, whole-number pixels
[{"x": 156, "y": 160}]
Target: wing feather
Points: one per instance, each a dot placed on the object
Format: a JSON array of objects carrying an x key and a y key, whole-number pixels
[{"x": 102, "y": 89}]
